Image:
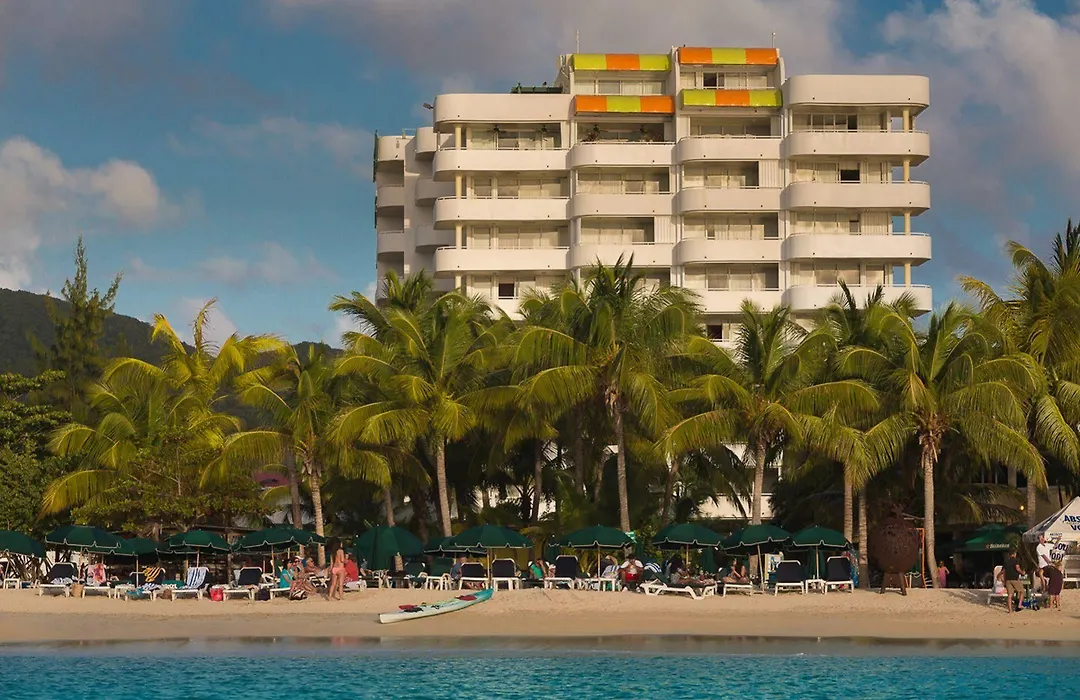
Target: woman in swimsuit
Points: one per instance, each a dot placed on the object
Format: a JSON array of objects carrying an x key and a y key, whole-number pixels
[{"x": 337, "y": 575}]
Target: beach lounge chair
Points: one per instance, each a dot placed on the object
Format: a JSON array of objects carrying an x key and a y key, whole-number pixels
[
  {"x": 838, "y": 574},
  {"x": 790, "y": 575},
  {"x": 505, "y": 571},
  {"x": 147, "y": 583},
  {"x": 1070, "y": 570},
  {"x": 997, "y": 588},
  {"x": 246, "y": 582},
  {"x": 567, "y": 572},
  {"x": 472, "y": 572},
  {"x": 60, "y": 577},
  {"x": 659, "y": 585},
  {"x": 193, "y": 583}
]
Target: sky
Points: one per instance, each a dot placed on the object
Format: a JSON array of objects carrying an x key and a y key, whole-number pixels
[{"x": 222, "y": 150}]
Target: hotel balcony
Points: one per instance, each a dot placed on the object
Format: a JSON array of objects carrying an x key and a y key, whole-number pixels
[
  {"x": 914, "y": 248},
  {"x": 699, "y": 148},
  {"x": 427, "y": 239},
  {"x": 736, "y": 199},
  {"x": 452, "y": 261},
  {"x": 700, "y": 250},
  {"x": 645, "y": 254},
  {"x": 911, "y": 91},
  {"x": 897, "y": 196},
  {"x": 620, "y": 205},
  {"x": 814, "y": 297},
  {"x": 616, "y": 153},
  {"x": 428, "y": 190},
  {"x": 449, "y": 162},
  {"x": 451, "y": 210},
  {"x": 730, "y": 302},
  {"x": 389, "y": 245},
  {"x": 389, "y": 198},
  {"x": 892, "y": 145}
]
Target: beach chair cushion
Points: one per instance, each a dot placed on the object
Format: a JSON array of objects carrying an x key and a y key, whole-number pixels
[{"x": 838, "y": 573}]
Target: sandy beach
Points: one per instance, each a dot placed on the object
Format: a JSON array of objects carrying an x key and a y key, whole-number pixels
[{"x": 539, "y": 614}]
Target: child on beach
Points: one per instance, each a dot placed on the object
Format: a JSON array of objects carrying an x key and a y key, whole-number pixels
[{"x": 942, "y": 574}]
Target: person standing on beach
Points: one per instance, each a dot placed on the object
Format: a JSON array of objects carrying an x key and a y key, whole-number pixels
[
  {"x": 1013, "y": 584},
  {"x": 1042, "y": 559}
]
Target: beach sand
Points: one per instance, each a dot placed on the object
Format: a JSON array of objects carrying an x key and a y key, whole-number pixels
[{"x": 540, "y": 614}]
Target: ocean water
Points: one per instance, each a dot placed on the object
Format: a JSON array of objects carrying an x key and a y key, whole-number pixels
[{"x": 655, "y": 668}]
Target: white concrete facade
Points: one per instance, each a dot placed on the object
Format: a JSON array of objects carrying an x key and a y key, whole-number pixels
[{"x": 709, "y": 166}]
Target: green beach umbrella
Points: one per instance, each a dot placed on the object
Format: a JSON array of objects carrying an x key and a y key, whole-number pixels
[
  {"x": 992, "y": 537},
  {"x": 18, "y": 543},
  {"x": 686, "y": 536},
  {"x": 756, "y": 540},
  {"x": 818, "y": 538},
  {"x": 490, "y": 537},
  {"x": 84, "y": 537},
  {"x": 382, "y": 543},
  {"x": 196, "y": 541},
  {"x": 136, "y": 547},
  {"x": 444, "y": 545},
  {"x": 272, "y": 538},
  {"x": 597, "y": 537}
]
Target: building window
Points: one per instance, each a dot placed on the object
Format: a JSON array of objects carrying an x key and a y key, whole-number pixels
[
  {"x": 736, "y": 278},
  {"x": 732, "y": 228},
  {"x": 617, "y": 231},
  {"x": 849, "y": 172},
  {"x": 624, "y": 182},
  {"x": 606, "y": 86},
  {"x": 722, "y": 175},
  {"x": 507, "y": 290}
]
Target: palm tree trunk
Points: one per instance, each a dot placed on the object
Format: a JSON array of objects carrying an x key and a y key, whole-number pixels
[
  {"x": 1032, "y": 503},
  {"x": 579, "y": 462},
  {"x": 294, "y": 487},
  {"x": 928, "y": 511},
  {"x": 440, "y": 478},
  {"x": 672, "y": 475},
  {"x": 759, "y": 482},
  {"x": 864, "y": 536},
  {"x": 620, "y": 464},
  {"x": 314, "y": 479},
  {"x": 538, "y": 481},
  {"x": 599, "y": 482},
  {"x": 849, "y": 524},
  {"x": 388, "y": 505},
  {"x": 419, "y": 500}
]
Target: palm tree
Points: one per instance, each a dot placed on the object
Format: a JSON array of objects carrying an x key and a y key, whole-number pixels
[
  {"x": 954, "y": 381},
  {"x": 606, "y": 340},
  {"x": 154, "y": 414},
  {"x": 430, "y": 365},
  {"x": 762, "y": 395},
  {"x": 1041, "y": 317}
]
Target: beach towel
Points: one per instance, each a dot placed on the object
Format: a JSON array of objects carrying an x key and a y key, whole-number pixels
[{"x": 196, "y": 577}]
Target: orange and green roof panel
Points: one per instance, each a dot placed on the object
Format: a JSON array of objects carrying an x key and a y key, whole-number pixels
[
  {"x": 658, "y": 62},
  {"x": 728, "y": 57},
  {"x": 624, "y": 104},
  {"x": 732, "y": 98}
]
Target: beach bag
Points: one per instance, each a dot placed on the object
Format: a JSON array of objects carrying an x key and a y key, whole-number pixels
[
  {"x": 167, "y": 593},
  {"x": 262, "y": 594},
  {"x": 76, "y": 590},
  {"x": 298, "y": 595},
  {"x": 217, "y": 593}
]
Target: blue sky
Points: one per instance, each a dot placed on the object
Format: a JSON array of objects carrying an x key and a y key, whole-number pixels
[{"x": 222, "y": 149}]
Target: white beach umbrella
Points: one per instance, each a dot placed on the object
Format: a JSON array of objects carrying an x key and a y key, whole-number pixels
[{"x": 1062, "y": 526}]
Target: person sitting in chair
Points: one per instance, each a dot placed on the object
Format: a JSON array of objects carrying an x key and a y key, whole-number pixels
[{"x": 738, "y": 574}]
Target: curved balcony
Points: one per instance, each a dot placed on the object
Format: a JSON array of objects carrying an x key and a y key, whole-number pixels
[
  {"x": 450, "y": 210},
  {"x": 700, "y": 250},
  {"x": 390, "y": 149},
  {"x": 858, "y": 90},
  {"x": 699, "y": 148},
  {"x": 389, "y": 245},
  {"x": 738, "y": 199},
  {"x": 453, "y": 261},
  {"x": 886, "y": 144},
  {"x": 500, "y": 108},
  {"x": 645, "y": 254},
  {"x": 613, "y": 154},
  {"x": 427, "y": 142},
  {"x": 449, "y": 162},
  {"x": 730, "y": 302},
  {"x": 427, "y": 239},
  {"x": 428, "y": 190},
  {"x": 620, "y": 205},
  {"x": 511, "y": 307},
  {"x": 914, "y": 248},
  {"x": 388, "y": 197},
  {"x": 897, "y": 196},
  {"x": 813, "y": 297}
]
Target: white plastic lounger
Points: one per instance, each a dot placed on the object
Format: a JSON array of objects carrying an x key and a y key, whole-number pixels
[
  {"x": 106, "y": 589},
  {"x": 247, "y": 581},
  {"x": 747, "y": 588},
  {"x": 838, "y": 574},
  {"x": 1070, "y": 570},
  {"x": 790, "y": 575},
  {"x": 60, "y": 578},
  {"x": 567, "y": 572},
  {"x": 472, "y": 572},
  {"x": 995, "y": 593},
  {"x": 658, "y": 587}
]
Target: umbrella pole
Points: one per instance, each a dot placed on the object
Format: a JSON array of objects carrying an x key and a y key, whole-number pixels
[{"x": 761, "y": 568}]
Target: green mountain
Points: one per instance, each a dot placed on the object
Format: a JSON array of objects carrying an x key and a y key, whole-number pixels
[{"x": 23, "y": 314}]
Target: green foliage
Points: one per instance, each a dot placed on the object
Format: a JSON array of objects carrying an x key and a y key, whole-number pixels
[{"x": 26, "y": 467}]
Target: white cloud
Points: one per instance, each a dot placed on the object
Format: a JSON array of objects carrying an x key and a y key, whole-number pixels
[
  {"x": 287, "y": 137},
  {"x": 275, "y": 265},
  {"x": 39, "y": 196},
  {"x": 218, "y": 326}
]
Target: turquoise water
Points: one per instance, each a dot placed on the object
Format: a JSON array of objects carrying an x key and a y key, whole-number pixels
[{"x": 687, "y": 669}]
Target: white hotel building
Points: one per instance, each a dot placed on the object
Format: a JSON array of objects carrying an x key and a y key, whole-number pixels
[{"x": 709, "y": 165}]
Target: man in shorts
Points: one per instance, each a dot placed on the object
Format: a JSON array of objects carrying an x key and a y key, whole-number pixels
[
  {"x": 1042, "y": 559},
  {"x": 1013, "y": 583}
]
